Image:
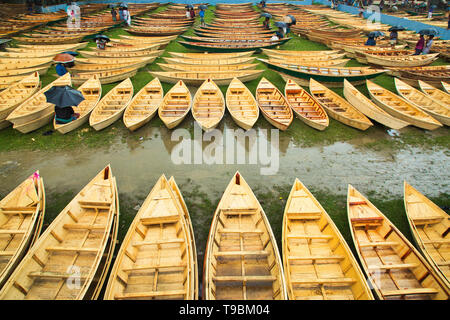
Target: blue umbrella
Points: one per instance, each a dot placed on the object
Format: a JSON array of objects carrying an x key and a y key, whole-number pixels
[
  {"x": 428, "y": 32},
  {"x": 124, "y": 5},
  {"x": 72, "y": 53},
  {"x": 63, "y": 96},
  {"x": 188, "y": 6},
  {"x": 290, "y": 19},
  {"x": 102, "y": 36},
  {"x": 375, "y": 34},
  {"x": 281, "y": 24},
  {"x": 396, "y": 28},
  {"x": 203, "y": 7},
  {"x": 266, "y": 15}
]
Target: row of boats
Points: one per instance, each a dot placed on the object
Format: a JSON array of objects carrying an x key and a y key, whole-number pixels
[
  {"x": 26, "y": 107},
  {"x": 158, "y": 257}
]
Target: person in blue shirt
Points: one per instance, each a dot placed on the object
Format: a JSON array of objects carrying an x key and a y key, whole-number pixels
[
  {"x": 202, "y": 17},
  {"x": 371, "y": 42},
  {"x": 60, "y": 69}
]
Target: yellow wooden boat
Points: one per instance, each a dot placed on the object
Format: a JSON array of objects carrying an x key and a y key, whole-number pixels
[
  {"x": 36, "y": 112},
  {"x": 437, "y": 95},
  {"x": 66, "y": 261},
  {"x": 112, "y": 105},
  {"x": 430, "y": 228},
  {"x": 209, "y": 62},
  {"x": 141, "y": 39},
  {"x": 92, "y": 92},
  {"x": 337, "y": 107},
  {"x": 396, "y": 270},
  {"x": 298, "y": 53},
  {"x": 242, "y": 260},
  {"x": 208, "y": 106},
  {"x": 445, "y": 86},
  {"x": 317, "y": 261},
  {"x": 108, "y": 65},
  {"x": 370, "y": 109},
  {"x": 274, "y": 106},
  {"x": 144, "y": 105},
  {"x": 401, "y": 61},
  {"x": 187, "y": 218},
  {"x": 241, "y": 104},
  {"x": 121, "y": 54},
  {"x": 12, "y": 64},
  {"x": 400, "y": 108},
  {"x": 105, "y": 76},
  {"x": 305, "y": 106},
  {"x": 15, "y": 95},
  {"x": 207, "y": 55},
  {"x": 175, "y": 105},
  {"x": 21, "y": 215},
  {"x": 307, "y": 62},
  {"x": 196, "y": 78},
  {"x": 159, "y": 230},
  {"x": 208, "y": 68},
  {"x": 55, "y": 47}
]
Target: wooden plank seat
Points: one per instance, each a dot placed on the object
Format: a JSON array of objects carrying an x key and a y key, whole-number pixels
[
  {"x": 310, "y": 236},
  {"x": 157, "y": 242},
  {"x": 244, "y": 279},
  {"x": 154, "y": 267},
  {"x": 12, "y": 232},
  {"x": 311, "y": 215},
  {"x": 149, "y": 294},
  {"x": 229, "y": 230},
  {"x": 403, "y": 292},
  {"x": 316, "y": 258},
  {"x": 7, "y": 253},
  {"x": 82, "y": 226},
  {"x": 437, "y": 241},
  {"x": 393, "y": 266},
  {"x": 378, "y": 244},
  {"x": 159, "y": 220},
  {"x": 18, "y": 210},
  {"x": 239, "y": 212},
  {"x": 73, "y": 249},
  {"x": 56, "y": 275},
  {"x": 240, "y": 253},
  {"x": 323, "y": 281},
  {"x": 367, "y": 221}
]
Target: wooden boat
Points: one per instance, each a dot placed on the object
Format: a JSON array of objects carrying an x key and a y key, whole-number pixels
[
  {"x": 112, "y": 105},
  {"x": 402, "y": 61},
  {"x": 121, "y": 54},
  {"x": 50, "y": 39},
  {"x": 227, "y": 47},
  {"x": 305, "y": 106},
  {"x": 158, "y": 230},
  {"x": 370, "y": 109},
  {"x": 36, "y": 47},
  {"x": 317, "y": 261},
  {"x": 35, "y": 112},
  {"x": 429, "y": 226},
  {"x": 28, "y": 55},
  {"x": 337, "y": 107},
  {"x": 208, "y": 56},
  {"x": 15, "y": 95},
  {"x": 445, "y": 86},
  {"x": 13, "y": 64},
  {"x": 92, "y": 92},
  {"x": 297, "y": 53},
  {"x": 106, "y": 65},
  {"x": 330, "y": 75},
  {"x": 175, "y": 105},
  {"x": 156, "y": 31},
  {"x": 241, "y": 104},
  {"x": 400, "y": 108},
  {"x": 433, "y": 75},
  {"x": 423, "y": 101},
  {"x": 197, "y": 78},
  {"x": 140, "y": 39},
  {"x": 25, "y": 71},
  {"x": 208, "y": 106},
  {"x": 74, "y": 243},
  {"x": 210, "y": 68},
  {"x": 242, "y": 260},
  {"x": 274, "y": 106},
  {"x": 105, "y": 76},
  {"x": 124, "y": 47},
  {"x": 21, "y": 216},
  {"x": 237, "y": 40},
  {"x": 208, "y": 62},
  {"x": 396, "y": 270},
  {"x": 144, "y": 105},
  {"x": 309, "y": 62},
  {"x": 437, "y": 95},
  {"x": 188, "y": 221}
]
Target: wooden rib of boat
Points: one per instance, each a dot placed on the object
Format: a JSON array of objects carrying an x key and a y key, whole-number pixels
[
  {"x": 430, "y": 228},
  {"x": 74, "y": 243},
  {"x": 197, "y": 78},
  {"x": 400, "y": 108},
  {"x": 15, "y": 95},
  {"x": 423, "y": 101},
  {"x": 112, "y": 105},
  {"x": 437, "y": 95},
  {"x": 21, "y": 215},
  {"x": 144, "y": 105},
  {"x": 305, "y": 106},
  {"x": 208, "y": 106},
  {"x": 394, "y": 267},
  {"x": 370, "y": 109},
  {"x": 402, "y": 61},
  {"x": 121, "y": 54},
  {"x": 209, "y": 62},
  {"x": 337, "y": 107},
  {"x": 241, "y": 104},
  {"x": 105, "y": 76},
  {"x": 92, "y": 92},
  {"x": 158, "y": 230},
  {"x": 242, "y": 260},
  {"x": 175, "y": 105},
  {"x": 445, "y": 86},
  {"x": 35, "y": 112},
  {"x": 226, "y": 47},
  {"x": 211, "y": 68},
  {"x": 317, "y": 261},
  {"x": 334, "y": 75},
  {"x": 207, "y": 55},
  {"x": 274, "y": 106}
]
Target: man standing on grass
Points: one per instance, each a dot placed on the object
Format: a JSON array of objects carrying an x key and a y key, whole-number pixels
[{"x": 202, "y": 16}]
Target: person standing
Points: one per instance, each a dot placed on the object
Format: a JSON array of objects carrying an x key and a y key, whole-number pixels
[
  {"x": 393, "y": 38},
  {"x": 188, "y": 14},
  {"x": 371, "y": 41},
  {"x": 126, "y": 16},
  {"x": 266, "y": 23},
  {"x": 381, "y": 5},
  {"x": 30, "y": 6},
  {"x": 202, "y": 16},
  {"x": 120, "y": 14},
  {"x": 430, "y": 11},
  {"x": 192, "y": 12},
  {"x": 427, "y": 48},
  {"x": 113, "y": 14},
  {"x": 101, "y": 44},
  {"x": 419, "y": 45},
  {"x": 448, "y": 24}
]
